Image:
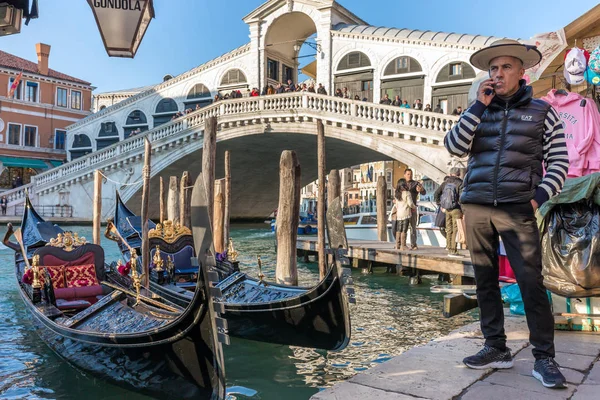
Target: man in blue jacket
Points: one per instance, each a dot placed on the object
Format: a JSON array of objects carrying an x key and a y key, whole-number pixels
[{"x": 509, "y": 137}]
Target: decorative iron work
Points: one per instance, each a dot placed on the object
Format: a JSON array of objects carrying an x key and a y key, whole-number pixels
[
  {"x": 233, "y": 255},
  {"x": 67, "y": 241},
  {"x": 169, "y": 231}
]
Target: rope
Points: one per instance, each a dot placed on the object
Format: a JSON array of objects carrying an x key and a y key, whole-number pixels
[{"x": 121, "y": 183}]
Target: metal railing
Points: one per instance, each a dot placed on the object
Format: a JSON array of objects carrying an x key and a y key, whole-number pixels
[{"x": 48, "y": 211}]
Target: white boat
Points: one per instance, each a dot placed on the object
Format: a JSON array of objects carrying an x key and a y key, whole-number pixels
[{"x": 363, "y": 226}]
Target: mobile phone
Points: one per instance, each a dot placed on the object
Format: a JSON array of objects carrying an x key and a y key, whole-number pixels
[{"x": 488, "y": 92}]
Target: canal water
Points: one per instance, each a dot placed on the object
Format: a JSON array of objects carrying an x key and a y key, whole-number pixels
[{"x": 390, "y": 317}]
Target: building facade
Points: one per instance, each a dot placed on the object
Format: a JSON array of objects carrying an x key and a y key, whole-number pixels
[
  {"x": 34, "y": 120},
  {"x": 370, "y": 61}
]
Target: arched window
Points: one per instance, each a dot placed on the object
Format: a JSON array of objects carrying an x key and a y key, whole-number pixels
[
  {"x": 233, "y": 77},
  {"x": 165, "y": 109},
  {"x": 402, "y": 65},
  {"x": 198, "y": 97},
  {"x": 81, "y": 140},
  {"x": 455, "y": 71},
  {"x": 82, "y": 145},
  {"x": 166, "y": 105},
  {"x": 451, "y": 87},
  {"x": 109, "y": 134},
  {"x": 354, "y": 76},
  {"x": 356, "y": 59},
  {"x": 102, "y": 108},
  {"x": 136, "y": 123}
]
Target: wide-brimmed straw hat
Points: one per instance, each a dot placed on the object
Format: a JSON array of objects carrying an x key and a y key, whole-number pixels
[{"x": 529, "y": 55}]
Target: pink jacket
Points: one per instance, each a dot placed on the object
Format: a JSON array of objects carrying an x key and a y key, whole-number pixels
[{"x": 582, "y": 131}]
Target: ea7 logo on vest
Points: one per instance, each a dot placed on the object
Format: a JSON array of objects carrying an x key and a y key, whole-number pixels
[{"x": 526, "y": 117}]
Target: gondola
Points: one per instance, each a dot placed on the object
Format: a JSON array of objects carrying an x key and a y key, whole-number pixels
[
  {"x": 316, "y": 317},
  {"x": 114, "y": 333}
]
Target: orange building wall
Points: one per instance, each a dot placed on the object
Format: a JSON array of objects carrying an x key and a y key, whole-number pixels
[{"x": 45, "y": 116}]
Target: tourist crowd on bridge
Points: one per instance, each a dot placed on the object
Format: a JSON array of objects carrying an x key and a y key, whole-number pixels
[{"x": 343, "y": 93}]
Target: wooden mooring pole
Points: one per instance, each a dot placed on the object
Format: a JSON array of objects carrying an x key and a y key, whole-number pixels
[
  {"x": 333, "y": 186},
  {"x": 97, "y": 206},
  {"x": 219, "y": 216},
  {"x": 226, "y": 230},
  {"x": 208, "y": 162},
  {"x": 185, "y": 196},
  {"x": 173, "y": 200},
  {"x": 381, "y": 209},
  {"x": 161, "y": 202},
  {"x": 144, "y": 213},
  {"x": 288, "y": 214},
  {"x": 321, "y": 198}
]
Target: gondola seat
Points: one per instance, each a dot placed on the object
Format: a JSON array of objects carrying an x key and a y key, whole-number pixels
[
  {"x": 180, "y": 252},
  {"x": 83, "y": 271}
]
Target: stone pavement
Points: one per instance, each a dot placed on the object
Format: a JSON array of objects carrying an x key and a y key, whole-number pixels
[{"x": 435, "y": 370}]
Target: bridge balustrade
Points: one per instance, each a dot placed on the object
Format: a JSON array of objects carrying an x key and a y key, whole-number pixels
[{"x": 392, "y": 116}]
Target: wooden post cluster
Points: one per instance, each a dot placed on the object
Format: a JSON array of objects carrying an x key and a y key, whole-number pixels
[
  {"x": 381, "y": 209},
  {"x": 173, "y": 199},
  {"x": 321, "y": 198},
  {"x": 97, "y": 206},
  {"x": 144, "y": 213},
  {"x": 226, "y": 229},
  {"x": 208, "y": 161},
  {"x": 288, "y": 214},
  {"x": 219, "y": 216},
  {"x": 161, "y": 203},
  {"x": 185, "y": 196}
]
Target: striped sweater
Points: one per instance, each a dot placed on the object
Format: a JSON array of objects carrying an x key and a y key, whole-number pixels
[{"x": 459, "y": 139}]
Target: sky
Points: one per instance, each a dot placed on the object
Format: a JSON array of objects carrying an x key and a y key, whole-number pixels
[{"x": 187, "y": 33}]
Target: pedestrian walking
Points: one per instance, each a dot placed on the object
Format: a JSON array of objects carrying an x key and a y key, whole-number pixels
[
  {"x": 415, "y": 189},
  {"x": 447, "y": 197},
  {"x": 510, "y": 139},
  {"x": 3, "y": 204},
  {"x": 404, "y": 207}
]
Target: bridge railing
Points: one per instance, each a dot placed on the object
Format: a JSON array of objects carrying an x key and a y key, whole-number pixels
[{"x": 312, "y": 102}]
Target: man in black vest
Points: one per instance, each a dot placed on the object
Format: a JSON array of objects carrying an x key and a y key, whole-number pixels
[
  {"x": 415, "y": 188},
  {"x": 508, "y": 136}
]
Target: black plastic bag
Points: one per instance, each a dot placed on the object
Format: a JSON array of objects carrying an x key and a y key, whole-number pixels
[
  {"x": 440, "y": 220},
  {"x": 571, "y": 249}
]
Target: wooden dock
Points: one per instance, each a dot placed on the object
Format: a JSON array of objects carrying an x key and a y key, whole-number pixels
[{"x": 371, "y": 254}]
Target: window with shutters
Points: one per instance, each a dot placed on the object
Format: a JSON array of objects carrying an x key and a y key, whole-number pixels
[
  {"x": 30, "y": 136},
  {"x": 233, "y": 77},
  {"x": 61, "y": 97},
  {"x": 59, "y": 139},
  {"x": 14, "y": 134},
  {"x": 75, "y": 100}
]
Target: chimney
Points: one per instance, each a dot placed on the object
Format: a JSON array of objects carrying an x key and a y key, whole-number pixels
[{"x": 43, "y": 52}]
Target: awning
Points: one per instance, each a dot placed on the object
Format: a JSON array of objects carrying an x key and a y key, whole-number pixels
[
  {"x": 23, "y": 162},
  {"x": 56, "y": 163},
  {"x": 310, "y": 70}
]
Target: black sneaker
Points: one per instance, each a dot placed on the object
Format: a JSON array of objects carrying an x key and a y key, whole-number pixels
[
  {"x": 547, "y": 371},
  {"x": 490, "y": 357}
]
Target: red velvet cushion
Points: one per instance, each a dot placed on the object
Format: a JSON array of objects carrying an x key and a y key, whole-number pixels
[
  {"x": 50, "y": 259},
  {"x": 81, "y": 275},
  {"x": 57, "y": 274}
]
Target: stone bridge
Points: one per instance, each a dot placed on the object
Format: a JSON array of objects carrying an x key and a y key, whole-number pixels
[{"x": 255, "y": 130}]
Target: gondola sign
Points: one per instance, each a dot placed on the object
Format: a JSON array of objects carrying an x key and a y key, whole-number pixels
[{"x": 122, "y": 24}]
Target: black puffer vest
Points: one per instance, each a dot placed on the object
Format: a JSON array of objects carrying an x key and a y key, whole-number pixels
[{"x": 505, "y": 161}]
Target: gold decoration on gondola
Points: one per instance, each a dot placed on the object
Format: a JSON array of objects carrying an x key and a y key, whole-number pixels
[
  {"x": 233, "y": 255},
  {"x": 109, "y": 233},
  {"x": 169, "y": 232},
  {"x": 136, "y": 278},
  {"x": 261, "y": 276},
  {"x": 67, "y": 241},
  {"x": 157, "y": 260},
  {"x": 35, "y": 262},
  {"x": 170, "y": 265}
]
